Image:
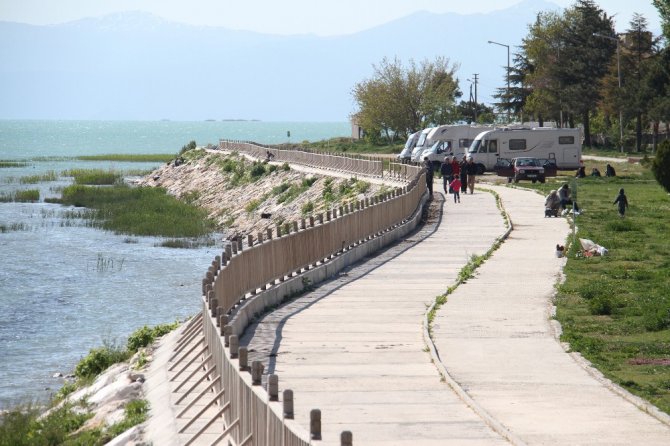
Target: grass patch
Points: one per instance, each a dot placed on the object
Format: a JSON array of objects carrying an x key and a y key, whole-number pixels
[
  {"x": 20, "y": 196},
  {"x": 40, "y": 178},
  {"x": 13, "y": 227},
  {"x": 615, "y": 310},
  {"x": 10, "y": 163},
  {"x": 95, "y": 177},
  {"x": 143, "y": 211},
  {"x": 353, "y": 146},
  {"x": 139, "y": 158}
]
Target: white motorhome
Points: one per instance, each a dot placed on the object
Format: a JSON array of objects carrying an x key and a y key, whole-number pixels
[
  {"x": 406, "y": 154},
  {"x": 562, "y": 145},
  {"x": 421, "y": 145},
  {"x": 450, "y": 140}
]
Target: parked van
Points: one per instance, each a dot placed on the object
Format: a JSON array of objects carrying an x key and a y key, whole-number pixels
[
  {"x": 562, "y": 145},
  {"x": 421, "y": 145},
  {"x": 406, "y": 154},
  {"x": 451, "y": 140}
]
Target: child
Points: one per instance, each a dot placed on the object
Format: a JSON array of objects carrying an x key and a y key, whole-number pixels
[
  {"x": 455, "y": 186},
  {"x": 622, "y": 201}
]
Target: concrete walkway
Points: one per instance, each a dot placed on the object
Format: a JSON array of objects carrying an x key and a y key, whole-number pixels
[
  {"x": 495, "y": 339},
  {"x": 355, "y": 349}
]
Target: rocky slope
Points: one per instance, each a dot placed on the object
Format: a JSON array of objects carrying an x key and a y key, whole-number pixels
[{"x": 243, "y": 196}]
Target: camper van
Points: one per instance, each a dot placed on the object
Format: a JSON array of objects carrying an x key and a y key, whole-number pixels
[
  {"x": 406, "y": 154},
  {"x": 450, "y": 140},
  {"x": 562, "y": 145},
  {"x": 421, "y": 145}
]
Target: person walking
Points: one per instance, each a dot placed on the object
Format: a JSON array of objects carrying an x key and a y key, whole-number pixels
[
  {"x": 447, "y": 171},
  {"x": 464, "y": 174},
  {"x": 471, "y": 169},
  {"x": 429, "y": 175},
  {"x": 622, "y": 201},
  {"x": 455, "y": 186}
]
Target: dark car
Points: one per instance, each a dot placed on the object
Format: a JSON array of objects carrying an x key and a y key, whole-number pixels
[{"x": 532, "y": 169}]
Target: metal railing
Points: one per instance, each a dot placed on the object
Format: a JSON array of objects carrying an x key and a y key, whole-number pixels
[{"x": 245, "y": 280}]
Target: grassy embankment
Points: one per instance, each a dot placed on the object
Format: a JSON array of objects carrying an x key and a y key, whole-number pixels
[
  {"x": 615, "y": 310},
  {"x": 24, "y": 426},
  {"x": 354, "y": 146}
]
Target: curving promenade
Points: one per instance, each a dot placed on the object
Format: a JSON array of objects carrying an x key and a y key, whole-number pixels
[{"x": 354, "y": 348}]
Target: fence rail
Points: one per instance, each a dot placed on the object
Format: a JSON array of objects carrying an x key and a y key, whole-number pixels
[
  {"x": 245, "y": 280},
  {"x": 354, "y": 164}
]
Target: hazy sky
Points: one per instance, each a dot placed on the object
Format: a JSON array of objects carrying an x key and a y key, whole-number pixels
[{"x": 321, "y": 17}]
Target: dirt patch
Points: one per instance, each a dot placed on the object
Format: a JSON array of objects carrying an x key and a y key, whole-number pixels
[{"x": 650, "y": 361}]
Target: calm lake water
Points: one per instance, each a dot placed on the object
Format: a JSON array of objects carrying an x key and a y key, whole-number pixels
[{"x": 65, "y": 287}]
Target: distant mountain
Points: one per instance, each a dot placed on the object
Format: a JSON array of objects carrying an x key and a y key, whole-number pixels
[{"x": 135, "y": 65}]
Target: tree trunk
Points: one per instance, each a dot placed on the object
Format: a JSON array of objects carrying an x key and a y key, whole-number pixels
[
  {"x": 587, "y": 129},
  {"x": 540, "y": 120},
  {"x": 655, "y": 137},
  {"x": 638, "y": 132}
]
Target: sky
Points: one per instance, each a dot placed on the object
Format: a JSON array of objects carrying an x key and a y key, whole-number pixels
[{"x": 320, "y": 17}]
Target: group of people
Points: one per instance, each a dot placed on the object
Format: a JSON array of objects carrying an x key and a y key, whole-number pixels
[
  {"x": 558, "y": 201},
  {"x": 595, "y": 172},
  {"x": 457, "y": 176}
]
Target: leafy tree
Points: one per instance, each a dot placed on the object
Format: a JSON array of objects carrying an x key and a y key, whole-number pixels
[
  {"x": 465, "y": 111},
  {"x": 584, "y": 59},
  {"x": 399, "y": 100},
  {"x": 537, "y": 83},
  {"x": 661, "y": 165},
  {"x": 663, "y": 7}
]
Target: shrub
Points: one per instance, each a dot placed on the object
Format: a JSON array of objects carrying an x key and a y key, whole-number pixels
[
  {"x": 656, "y": 316},
  {"x": 146, "y": 335},
  {"x": 99, "y": 359},
  {"x": 661, "y": 165},
  {"x": 190, "y": 146},
  {"x": 601, "y": 305},
  {"x": 285, "y": 167},
  {"x": 257, "y": 170},
  {"x": 307, "y": 208}
]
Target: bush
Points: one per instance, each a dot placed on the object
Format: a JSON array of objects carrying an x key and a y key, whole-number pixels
[
  {"x": 661, "y": 165},
  {"x": 285, "y": 167},
  {"x": 257, "y": 170},
  {"x": 99, "y": 359},
  {"x": 601, "y": 305},
  {"x": 146, "y": 335},
  {"x": 190, "y": 146}
]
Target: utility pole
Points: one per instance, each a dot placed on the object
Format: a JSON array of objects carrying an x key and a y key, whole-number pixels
[{"x": 476, "y": 80}]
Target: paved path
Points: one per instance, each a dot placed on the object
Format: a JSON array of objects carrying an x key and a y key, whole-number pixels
[
  {"x": 495, "y": 338},
  {"x": 355, "y": 349}
]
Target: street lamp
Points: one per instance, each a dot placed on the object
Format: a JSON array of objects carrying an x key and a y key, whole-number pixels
[
  {"x": 618, "y": 69},
  {"x": 508, "y": 93}
]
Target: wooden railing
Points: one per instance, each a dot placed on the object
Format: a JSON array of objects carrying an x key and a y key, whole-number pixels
[
  {"x": 248, "y": 278},
  {"x": 354, "y": 164}
]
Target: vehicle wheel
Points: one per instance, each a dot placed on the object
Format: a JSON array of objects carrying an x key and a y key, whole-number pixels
[
  {"x": 542, "y": 180},
  {"x": 480, "y": 169},
  {"x": 516, "y": 180},
  {"x": 509, "y": 179},
  {"x": 534, "y": 181}
]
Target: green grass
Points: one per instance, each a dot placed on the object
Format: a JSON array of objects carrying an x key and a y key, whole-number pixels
[
  {"x": 141, "y": 211},
  {"x": 95, "y": 177},
  {"x": 615, "y": 310},
  {"x": 10, "y": 163},
  {"x": 51, "y": 175},
  {"x": 20, "y": 196},
  {"x": 140, "y": 158},
  {"x": 353, "y": 146}
]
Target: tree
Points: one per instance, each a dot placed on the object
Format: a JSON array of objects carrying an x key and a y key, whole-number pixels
[
  {"x": 465, "y": 111},
  {"x": 661, "y": 165},
  {"x": 399, "y": 100},
  {"x": 663, "y": 7},
  {"x": 584, "y": 59}
]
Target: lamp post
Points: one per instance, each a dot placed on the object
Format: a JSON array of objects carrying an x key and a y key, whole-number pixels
[
  {"x": 618, "y": 69},
  {"x": 508, "y": 93}
]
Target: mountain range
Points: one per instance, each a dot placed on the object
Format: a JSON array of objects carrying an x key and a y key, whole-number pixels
[{"x": 137, "y": 66}]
